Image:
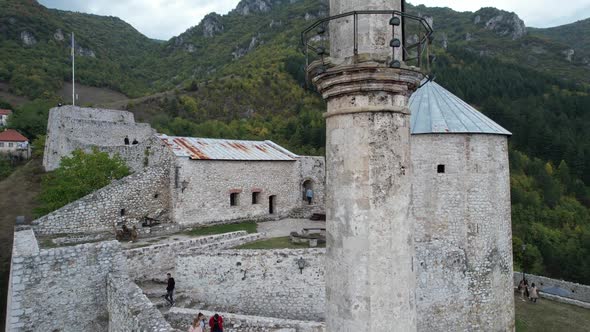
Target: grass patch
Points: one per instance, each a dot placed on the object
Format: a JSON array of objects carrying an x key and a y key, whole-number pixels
[
  {"x": 276, "y": 243},
  {"x": 548, "y": 315},
  {"x": 248, "y": 226}
]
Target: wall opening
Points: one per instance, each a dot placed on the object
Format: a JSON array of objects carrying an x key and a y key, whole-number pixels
[
  {"x": 256, "y": 197},
  {"x": 122, "y": 212},
  {"x": 176, "y": 176},
  {"x": 440, "y": 168},
  {"x": 271, "y": 204},
  {"x": 307, "y": 184},
  {"x": 234, "y": 199}
]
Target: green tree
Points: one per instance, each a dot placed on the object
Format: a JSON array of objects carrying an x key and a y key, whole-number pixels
[
  {"x": 78, "y": 176},
  {"x": 31, "y": 118}
]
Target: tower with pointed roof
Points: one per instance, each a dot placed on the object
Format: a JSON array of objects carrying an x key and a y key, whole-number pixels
[{"x": 461, "y": 213}]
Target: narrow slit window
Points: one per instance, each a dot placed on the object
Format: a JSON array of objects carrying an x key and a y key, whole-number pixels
[
  {"x": 233, "y": 199},
  {"x": 255, "y": 197},
  {"x": 440, "y": 168},
  {"x": 122, "y": 212}
]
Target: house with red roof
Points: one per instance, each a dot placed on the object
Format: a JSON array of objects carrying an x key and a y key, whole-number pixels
[
  {"x": 15, "y": 144},
  {"x": 4, "y": 114}
]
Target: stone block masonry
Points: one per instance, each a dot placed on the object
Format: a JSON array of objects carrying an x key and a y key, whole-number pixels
[
  {"x": 60, "y": 289},
  {"x": 181, "y": 318},
  {"x": 258, "y": 282},
  {"x": 130, "y": 310},
  {"x": 126, "y": 200},
  {"x": 153, "y": 262},
  {"x": 70, "y": 128}
]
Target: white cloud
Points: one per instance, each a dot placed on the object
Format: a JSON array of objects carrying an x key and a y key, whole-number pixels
[
  {"x": 534, "y": 13},
  {"x": 163, "y": 19},
  {"x": 160, "y": 19}
]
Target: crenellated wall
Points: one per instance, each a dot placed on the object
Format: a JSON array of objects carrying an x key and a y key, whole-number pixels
[
  {"x": 138, "y": 194},
  {"x": 258, "y": 282}
]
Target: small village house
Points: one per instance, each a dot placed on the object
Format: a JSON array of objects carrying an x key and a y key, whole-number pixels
[
  {"x": 14, "y": 144},
  {"x": 4, "y": 114}
]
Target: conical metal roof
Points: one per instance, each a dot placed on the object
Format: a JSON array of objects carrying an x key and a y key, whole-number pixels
[{"x": 436, "y": 110}]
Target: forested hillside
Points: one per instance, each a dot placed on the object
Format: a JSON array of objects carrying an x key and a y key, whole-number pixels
[{"x": 241, "y": 76}]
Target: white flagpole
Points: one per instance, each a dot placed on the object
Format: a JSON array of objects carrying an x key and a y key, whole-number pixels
[{"x": 73, "y": 75}]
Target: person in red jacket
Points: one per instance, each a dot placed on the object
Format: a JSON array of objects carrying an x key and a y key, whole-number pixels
[{"x": 216, "y": 323}]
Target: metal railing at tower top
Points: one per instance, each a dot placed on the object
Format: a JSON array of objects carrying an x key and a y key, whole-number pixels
[{"x": 416, "y": 34}]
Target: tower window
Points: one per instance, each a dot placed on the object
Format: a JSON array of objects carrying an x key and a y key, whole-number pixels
[
  {"x": 122, "y": 212},
  {"x": 234, "y": 199},
  {"x": 440, "y": 168}
]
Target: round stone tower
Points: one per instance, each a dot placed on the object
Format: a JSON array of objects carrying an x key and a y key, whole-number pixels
[
  {"x": 370, "y": 269},
  {"x": 461, "y": 207}
]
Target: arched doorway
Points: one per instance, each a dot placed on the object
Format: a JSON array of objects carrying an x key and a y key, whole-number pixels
[{"x": 307, "y": 184}]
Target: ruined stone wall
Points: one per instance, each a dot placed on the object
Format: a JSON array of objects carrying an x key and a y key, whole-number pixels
[
  {"x": 139, "y": 194},
  {"x": 259, "y": 282},
  {"x": 463, "y": 232},
  {"x": 70, "y": 128},
  {"x": 153, "y": 262},
  {"x": 60, "y": 289},
  {"x": 129, "y": 309},
  {"x": 209, "y": 183},
  {"x": 567, "y": 289},
  {"x": 314, "y": 169},
  {"x": 182, "y": 317}
]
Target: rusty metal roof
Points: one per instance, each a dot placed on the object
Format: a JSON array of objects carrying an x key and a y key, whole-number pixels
[
  {"x": 436, "y": 110},
  {"x": 226, "y": 149}
]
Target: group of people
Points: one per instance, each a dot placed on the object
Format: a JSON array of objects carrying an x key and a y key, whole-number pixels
[
  {"x": 526, "y": 292},
  {"x": 126, "y": 141},
  {"x": 215, "y": 323},
  {"x": 198, "y": 325}
]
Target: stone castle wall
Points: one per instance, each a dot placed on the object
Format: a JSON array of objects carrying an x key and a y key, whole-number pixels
[
  {"x": 575, "y": 291},
  {"x": 259, "y": 282},
  {"x": 60, "y": 289},
  {"x": 129, "y": 309},
  {"x": 125, "y": 200},
  {"x": 462, "y": 232},
  {"x": 209, "y": 183},
  {"x": 153, "y": 262},
  {"x": 314, "y": 169},
  {"x": 181, "y": 318},
  {"x": 70, "y": 128}
]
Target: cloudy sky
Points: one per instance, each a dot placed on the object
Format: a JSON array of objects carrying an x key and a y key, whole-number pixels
[{"x": 163, "y": 19}]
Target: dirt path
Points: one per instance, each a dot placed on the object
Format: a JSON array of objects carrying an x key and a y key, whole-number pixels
[{"x": 18, "y": 195}]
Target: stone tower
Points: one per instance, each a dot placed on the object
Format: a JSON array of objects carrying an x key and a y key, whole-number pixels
[
  {"x": 370, "y": 269},
  {"x": 461, "y": 208}
]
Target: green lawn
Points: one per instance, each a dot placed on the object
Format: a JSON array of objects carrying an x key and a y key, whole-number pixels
[
  {"x": 248, "y": 226},
  {"x": 276, "y": 243},
  {"x": 548, "y": 316}
]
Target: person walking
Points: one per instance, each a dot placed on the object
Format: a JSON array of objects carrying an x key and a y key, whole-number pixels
[
  {"x": 534, "y": 293},
  {"x": 216, "y": 323},
  {"x": 309, "y": 195},
  {"x": 198, "y": 324},
  {"x": 170, "y": 290},
  {"x": 521, "y": 287}
]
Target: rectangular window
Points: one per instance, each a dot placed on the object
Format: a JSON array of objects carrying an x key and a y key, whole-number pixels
[
  {"x": 10, "y": 145},
  {"x": 234, "y": 199},
  {"x": 1, "y": 144},
  {"x": 440, "y": 168},
  {"x": 256, "y": 197},
  {"x": 176, "y": 176}
]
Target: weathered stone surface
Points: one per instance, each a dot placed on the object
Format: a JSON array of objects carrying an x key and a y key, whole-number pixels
[
  {"x": 206, "y": 197},
  {"x": 126, "y": 200},
  {"x": 180, "y": 318},
  {"x": 575, "y": 291},
  {"x": 129, "y": 309},
  {"x": 60, "y": 289},
  {"x": 260, "y": 282},
  {"x": 28, "y": 38},
  {"x": 463, "y": 232}
]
